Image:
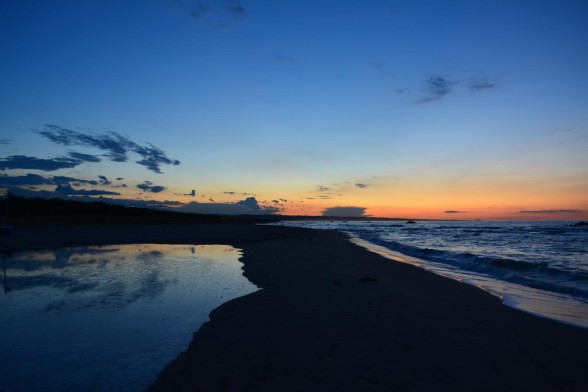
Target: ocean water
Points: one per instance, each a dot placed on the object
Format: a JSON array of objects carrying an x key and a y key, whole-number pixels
[
  {"x": 539, "y": 267},
  {"x": 107, "y": 318}
]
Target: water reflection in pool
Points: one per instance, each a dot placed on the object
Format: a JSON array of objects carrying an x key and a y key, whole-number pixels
[{"x": 109, "y": 317}]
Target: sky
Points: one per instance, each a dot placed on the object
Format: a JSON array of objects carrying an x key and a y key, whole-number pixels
[{"x": 418, "y": 109}]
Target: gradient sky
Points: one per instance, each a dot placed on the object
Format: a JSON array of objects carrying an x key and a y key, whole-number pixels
[{"x": 423, "y": 109}]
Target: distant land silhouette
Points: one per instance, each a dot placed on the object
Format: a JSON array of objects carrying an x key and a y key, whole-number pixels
[{"x": 24, "y": 211}]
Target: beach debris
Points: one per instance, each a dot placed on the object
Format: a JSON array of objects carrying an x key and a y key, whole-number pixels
[{"x": 367, "y": 279}]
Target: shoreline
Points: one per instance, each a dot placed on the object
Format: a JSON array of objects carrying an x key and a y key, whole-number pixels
[
  {"x": 334, "y": 316},
  {"x": 533, "y": 301}
]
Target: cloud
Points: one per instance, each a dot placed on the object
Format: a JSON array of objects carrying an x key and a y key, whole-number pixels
[
  {"x": 362, "y": 185},
  {"x": 116, "y": 146},
  {"x": 104, "y": 180},
  {"x": 29, "y": 179},
  {"x": 84, "y": 157},
  {"x": 436, "y": 88},
  {"x": 250, "y": 202},
  {"x": 32, "y": 163},
  {"x": 68, "y": 190},
  {"x": 84, "y": 196},
  {"x": 453, "y": 212},
  {"x": 70, "y": 180},
  {"x": 200, "y": 10},
  {"x": 5, "y": 142},
  {"x": 322, "y": 188},
  {"x": 344, "y": 211},
  {"x": 249, "y": 206},
  {"x": 481, "y": 86},
  {"x": 549, "y": 211},
  {"x": 229, "y": 193},
  {"x": 148, "y": 186},
  {"x": 236, "y": 8}
]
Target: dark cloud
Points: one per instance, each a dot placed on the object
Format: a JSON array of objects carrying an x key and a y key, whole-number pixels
[
  {"x": 29, "y": 179},
  {"x": 249, "y": 206},
  {"x": 229, "y": 193},
  {"x": 436, "y": 88},
  {"x": 148, "y": 186},
  {"x": 322, "y": 188},
  {"x": 104, "y": 180},
  {"x": 58, "y": 180},
  {"x": 250, "y": 202},
  {"x": 68, "y": 190},
  {"x": 78, "y": 196},
  {"x": 236, "y": 8},
  {"x": 345, "y": 212},
  {"x": 116, "y": 146},
  {"x": 453, "y": 212},
  {"x": 5, "y": 142},
  {"x": 119, "y": 178},
  {"x": 32, "y": 163},
  {"x": 84, "y": 157},
  {"x": 480, "y": 84},
  {"x": 549, "y": 211},
  {"x": 362, "y": 185},
  {"x": 200, "y": 10}
]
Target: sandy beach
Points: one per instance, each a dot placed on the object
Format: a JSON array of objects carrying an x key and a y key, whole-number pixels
[{"x": 332, "y": 316}]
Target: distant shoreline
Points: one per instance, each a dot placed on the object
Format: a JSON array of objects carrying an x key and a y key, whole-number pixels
[{"x": 333, "y": 316}]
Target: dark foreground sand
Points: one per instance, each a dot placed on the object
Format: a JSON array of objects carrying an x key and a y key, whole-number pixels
[{"x": 319, "y": 325}]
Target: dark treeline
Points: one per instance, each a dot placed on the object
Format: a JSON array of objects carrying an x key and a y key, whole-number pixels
[{"x": 34, "y": 211}]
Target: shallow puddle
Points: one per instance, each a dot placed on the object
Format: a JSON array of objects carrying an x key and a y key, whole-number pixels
[{"x": 109, "y": 317}]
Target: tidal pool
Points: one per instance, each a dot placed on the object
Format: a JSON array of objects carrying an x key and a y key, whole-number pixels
[{"x": 108, "y": 318}]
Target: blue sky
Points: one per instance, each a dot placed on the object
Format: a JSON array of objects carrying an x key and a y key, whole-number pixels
[{"x": 430, "y": 106}]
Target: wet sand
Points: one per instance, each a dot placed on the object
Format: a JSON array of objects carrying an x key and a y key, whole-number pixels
[{"x": 334, "y": 317}]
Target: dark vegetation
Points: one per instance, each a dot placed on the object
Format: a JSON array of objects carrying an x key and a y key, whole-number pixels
[{"x": 37, "y": 211}]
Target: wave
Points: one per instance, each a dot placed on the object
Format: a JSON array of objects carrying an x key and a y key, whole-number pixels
[{"x": 539, "y": 275}]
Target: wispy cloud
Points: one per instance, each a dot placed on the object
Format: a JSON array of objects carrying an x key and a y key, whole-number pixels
[
  {"x": 32, "y": 163},
  {"x": 200, "y": 10},
  {"x": 59, "y": 180},
  {"x": 549, "y": 211},
  {"x": 236, "y": 8},
  {"x": 360, "y": 185},
  {"x": 322, "y": 188},
  {"x": 69, "y": 190},
  {"x": 29, "y": 179},
  {"x": 84, "y": 157},
  {"x": 117, "y": 147},
  {"x": 454, "y": 212},
  {"x": 480, "y": 82},
  {"x": 5, "y": 142},
  {"x": 148, "y": 186},
  {"x": 436, "y": 87}
]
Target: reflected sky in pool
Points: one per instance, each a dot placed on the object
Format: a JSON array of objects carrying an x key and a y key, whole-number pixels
[{"x": 109, "y": 317}]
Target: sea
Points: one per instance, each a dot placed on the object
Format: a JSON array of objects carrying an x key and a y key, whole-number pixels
[{"x": 539, "y": 267}]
